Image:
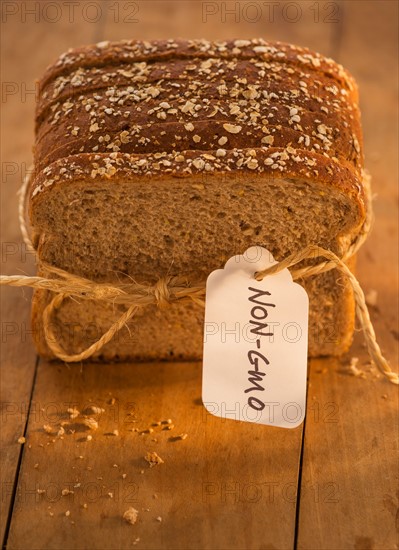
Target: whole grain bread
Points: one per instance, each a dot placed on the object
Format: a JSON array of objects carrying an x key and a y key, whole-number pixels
[{"x": 168, "y": 157}]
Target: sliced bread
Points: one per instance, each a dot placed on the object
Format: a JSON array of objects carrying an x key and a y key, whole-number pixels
[{"x": 167, "y": 158}]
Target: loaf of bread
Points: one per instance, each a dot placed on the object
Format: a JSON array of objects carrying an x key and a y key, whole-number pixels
[{"x": 169, "y": 157}]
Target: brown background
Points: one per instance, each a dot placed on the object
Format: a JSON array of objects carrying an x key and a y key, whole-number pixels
[{"x": 331, "y": 483}]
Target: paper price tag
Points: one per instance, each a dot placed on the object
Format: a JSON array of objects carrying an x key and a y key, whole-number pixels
[{"x": 255, "y": 343}]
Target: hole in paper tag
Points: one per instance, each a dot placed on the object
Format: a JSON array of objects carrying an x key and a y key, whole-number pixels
[{"x": 255, "y": 343}]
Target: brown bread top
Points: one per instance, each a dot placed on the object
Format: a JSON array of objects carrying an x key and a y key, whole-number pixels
[
  {"x": 247, "y": 104},
  {"x": 127, "y": 51}
]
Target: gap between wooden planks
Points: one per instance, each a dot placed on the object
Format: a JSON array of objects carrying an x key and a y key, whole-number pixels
[
  {"x": 349, "y": 491},
  {"x": 227, "y": 485}
]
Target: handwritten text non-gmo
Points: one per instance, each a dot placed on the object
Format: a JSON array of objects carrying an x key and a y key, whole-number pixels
[{"x": 259, "y": 312}]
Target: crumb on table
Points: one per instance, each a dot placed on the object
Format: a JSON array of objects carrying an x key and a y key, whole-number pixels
[
  {"x": 130, "y": 516},
  {"x": 153, "y": 458}
]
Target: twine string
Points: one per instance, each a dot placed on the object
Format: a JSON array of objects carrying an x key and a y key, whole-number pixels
[
  {"x": 362, "y": 313},
  {"x": 22, "y": 198},
  {"x": 169, "y": 289},
  {"x": 55, "y": 347}
]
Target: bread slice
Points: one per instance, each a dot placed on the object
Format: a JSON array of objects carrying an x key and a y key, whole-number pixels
[{"x": 167, "y": 158}]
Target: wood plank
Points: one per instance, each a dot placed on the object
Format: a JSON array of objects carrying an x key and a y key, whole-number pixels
[
  {"x": 228, "y": 485},
  {"x": 18, "y": 357},
  {"x": 349, "y": 481}
]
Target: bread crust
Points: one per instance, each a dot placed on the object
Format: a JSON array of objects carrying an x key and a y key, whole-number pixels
[
  {"x": 273, "y": 162},
  {"x": 189, "y": 98},
  {"x": 127, "y": 51},
  {"x": 170, "y": 96}
]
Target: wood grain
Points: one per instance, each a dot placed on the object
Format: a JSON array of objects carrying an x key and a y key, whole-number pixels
[
  {"x": 349, "y": 476},
  {"x": 227, "y": 485},
  {"x": 18, "y": 357}
]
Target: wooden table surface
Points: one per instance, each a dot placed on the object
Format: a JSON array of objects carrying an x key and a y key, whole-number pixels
[{"x": 328, "y": 484}]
